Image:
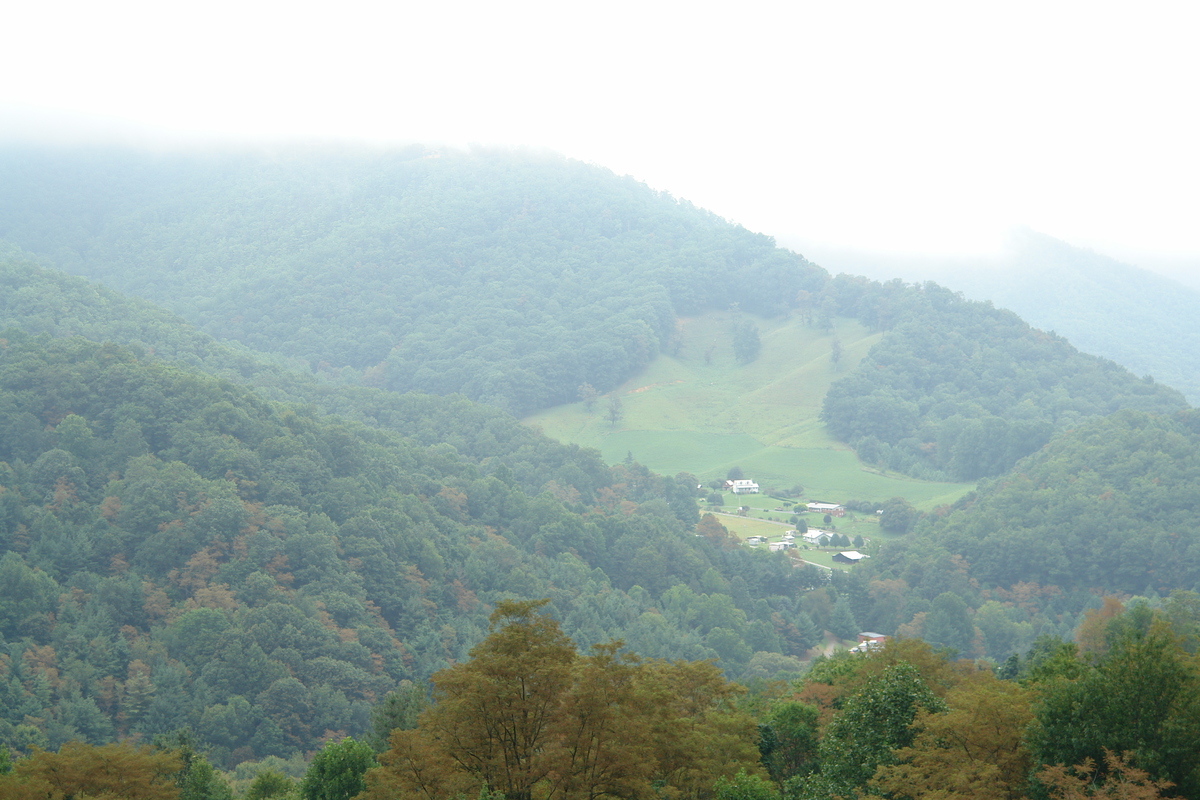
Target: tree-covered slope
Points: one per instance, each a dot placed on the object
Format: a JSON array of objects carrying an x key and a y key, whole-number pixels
[
  {"x": 175, "y": 551},
  {"x": 40, "y": 300},
  {"x": 1106, "y": 306},
  {"x": 1113, "y": 505},
  {"x": 509, "y": 278},
  {"x": 963, "y": 389},
  {"x": 515, "y": 279},
  {"x": 1109, "y": 508},
  {"x": 1139, "y": 319}
]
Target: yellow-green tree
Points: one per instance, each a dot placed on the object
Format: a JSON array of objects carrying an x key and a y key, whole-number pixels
[
  {"x": 77, "y": 770},
  {"x": 530, "y": 718},
  {"x": 973, "y": 751}
]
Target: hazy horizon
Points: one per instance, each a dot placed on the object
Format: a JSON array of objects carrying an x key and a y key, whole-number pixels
[{"x": 929, "y": 130}]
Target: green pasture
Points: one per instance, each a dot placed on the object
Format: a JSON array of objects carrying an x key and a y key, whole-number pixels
[
  {"x": 698, "y": 411},
  {"x": 745, "y": 527},
  {"x": 774, "y": 524}
]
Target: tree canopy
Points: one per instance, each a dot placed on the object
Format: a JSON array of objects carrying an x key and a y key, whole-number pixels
[
  {"x": 528, "y": 716},
  {"x": 180, "y": 552}
]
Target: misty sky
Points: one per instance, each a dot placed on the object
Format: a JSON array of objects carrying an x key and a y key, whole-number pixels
[{"x": 904, "y": 127}]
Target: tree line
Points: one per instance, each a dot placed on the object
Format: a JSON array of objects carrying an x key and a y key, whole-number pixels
[{"x": 528, "y": 716}]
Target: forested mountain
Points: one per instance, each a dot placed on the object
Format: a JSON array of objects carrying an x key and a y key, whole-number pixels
[
  {"x": 963, "y": 389},
  {"x": 511, "y": 279},
  {"x": 1141, "y": 319},
  {"x": 195, "y": 535},
  {"x": 1113, "y": 504},
  {"x": 514, "y": 279},
  {"x": 1107, "y": 508},
  {"x": 38, "y": 300},
  {"x": 180, "y": 552}
]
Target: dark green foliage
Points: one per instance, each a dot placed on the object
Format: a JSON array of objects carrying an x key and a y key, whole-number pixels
[
  {"x": 744, "y": 787},
  {"x": 397, "y": 711},
  {"x": 948, "y": 624},
  {"x": 1108, "y": 505},
  {"x": 807, "y": 633},
  {"x": 790, "y": 731},
  {"x": 864, "y": 735},
  {"x": 842, "y": 623},
  {"x": 898, "y": 515},
  {"x": 268, "y": 785},
  {"x": 1141, "y": 698},
  {"x": 336, "y": 771},
  {"x": 965, "y": 390},
  {"x": 196, "y": 779},
  {"x": 190, "y": 554}
]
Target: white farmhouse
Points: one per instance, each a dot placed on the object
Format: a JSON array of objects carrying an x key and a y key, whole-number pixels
[{"x": 813, "y": 535}]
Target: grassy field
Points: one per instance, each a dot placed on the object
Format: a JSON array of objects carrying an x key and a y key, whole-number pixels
[
  {"x": 700, "y": 412},
  {"x": 745, "y": 527}
]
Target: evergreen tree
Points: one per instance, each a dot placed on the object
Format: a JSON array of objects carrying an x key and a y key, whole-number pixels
[
  {"x": 948, "y": 623},
  {"x": 841, "y": 622}
]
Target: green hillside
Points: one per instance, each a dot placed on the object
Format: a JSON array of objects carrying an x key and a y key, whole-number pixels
[
  {"x": 513, "y": 279},
  {"x": 701, "y": 412},
  {"x": 176, "y": 551},
  {"x": 508, "y": 277},
  {"x": 1142, "y": 320},
  {"x": 961, "y": 390}
]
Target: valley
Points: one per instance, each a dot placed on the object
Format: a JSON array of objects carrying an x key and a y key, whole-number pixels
[{"x": 423, "y": 429}]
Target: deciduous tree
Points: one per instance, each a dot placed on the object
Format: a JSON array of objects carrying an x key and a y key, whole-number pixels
[
  {"x": 336, "y": 772},
  {"x": 1141, "y": 698},
  {"x": 111, "y": 771},
  {"x": 614, "y": 411},
  {"x": 872, "y": 725},
  {"x": 973, "y": 751},
  {"x": 528, "y": 717},
  {"x": 1122, "y": 781}
]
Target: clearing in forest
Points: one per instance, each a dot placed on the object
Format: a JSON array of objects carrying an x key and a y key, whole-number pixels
[{"x": 696, "y": 409}]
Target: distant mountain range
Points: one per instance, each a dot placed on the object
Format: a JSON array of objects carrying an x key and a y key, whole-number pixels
[{"x": 1142, "y": 320}]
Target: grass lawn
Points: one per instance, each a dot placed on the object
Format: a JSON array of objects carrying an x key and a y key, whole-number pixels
[{"x": 700, "y": 412}]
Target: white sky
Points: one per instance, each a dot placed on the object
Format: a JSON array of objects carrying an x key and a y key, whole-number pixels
[{"x": 885, "y": 126}]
